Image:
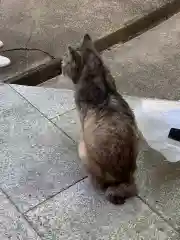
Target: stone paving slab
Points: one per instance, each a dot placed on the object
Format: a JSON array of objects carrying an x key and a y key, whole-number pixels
[
  {"x": 148, "y": 65},
  {"x": 37, "y": 159},
  {"x": 12, "y": 225},
  {"x": 159, "y": 182},
  {"x": 82, "y": 213},
  {"x": 50, "y": 26},
  {"x": 49, "y": 102},
  {"x": 70, "y": 123}
]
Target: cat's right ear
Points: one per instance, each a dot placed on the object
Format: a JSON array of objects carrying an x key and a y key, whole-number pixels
[{"x": 87, "y": 42}]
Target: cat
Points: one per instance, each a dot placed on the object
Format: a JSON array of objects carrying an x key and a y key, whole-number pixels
[{"x": 109, "y": 141}]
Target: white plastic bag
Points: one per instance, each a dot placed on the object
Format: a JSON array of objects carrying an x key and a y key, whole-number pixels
[{"x": 155, "y": 118}]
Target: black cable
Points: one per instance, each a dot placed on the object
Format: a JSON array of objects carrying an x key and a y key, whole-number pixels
[{"x": 28, "y": 49}]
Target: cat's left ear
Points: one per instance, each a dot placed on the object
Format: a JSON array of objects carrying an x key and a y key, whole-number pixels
[{"x": 74, "y": 55}]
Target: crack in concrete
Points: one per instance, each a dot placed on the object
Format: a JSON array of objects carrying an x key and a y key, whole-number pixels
[
  {"x": 26, "y": 45},
  {"x": 154, "y": 210},
  {"x": 20, "y": 213},
  {"x": 30, "y": 35},
  {"x": 54, "y": 195},
  {"x": 49, "y": 119}
]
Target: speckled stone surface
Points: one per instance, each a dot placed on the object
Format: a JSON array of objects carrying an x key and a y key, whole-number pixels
[
  {"x": 41, "y": 174},
  {"x": 70, "y": 123},
  {"x": 20, "y": 24},
  {"x": 148, "y": 65},
  {"x": 159, "y": 182},
  {"x": 36, "y": 159},
  {"x": 48, "y": 101},
  {"x": 64, "y": 22},
  {"x": 12, "y": 224},
  {"x": 81, "y": 213}
]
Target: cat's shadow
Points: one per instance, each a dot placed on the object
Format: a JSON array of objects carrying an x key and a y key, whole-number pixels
[{"x": 154, "y": 171}]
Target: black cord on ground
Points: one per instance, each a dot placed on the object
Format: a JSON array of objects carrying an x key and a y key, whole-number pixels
[{"x": 28, "y": 49}]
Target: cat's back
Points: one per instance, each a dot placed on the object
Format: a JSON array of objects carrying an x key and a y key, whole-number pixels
[{"x": 112, "y": 124}]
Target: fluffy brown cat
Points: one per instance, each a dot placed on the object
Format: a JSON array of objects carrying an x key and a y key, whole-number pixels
[{"x": 109, "y": 143}]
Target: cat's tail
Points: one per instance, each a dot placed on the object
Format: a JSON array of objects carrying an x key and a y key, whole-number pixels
[{"x": 119, "y": 193}]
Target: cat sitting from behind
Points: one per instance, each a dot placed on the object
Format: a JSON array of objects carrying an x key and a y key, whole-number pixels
[{"x": 109, "y": 141}]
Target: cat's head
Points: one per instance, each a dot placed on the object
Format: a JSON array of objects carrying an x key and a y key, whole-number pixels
[
  {"x": 75, "y": 60},
  {"x": 85, "y": 60}
]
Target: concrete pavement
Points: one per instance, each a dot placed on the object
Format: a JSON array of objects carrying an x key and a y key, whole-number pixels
[
  {"x": 37, "y": 31},
  {"x": 146, "y": 66},
  {"x": 44, "y": 191}
]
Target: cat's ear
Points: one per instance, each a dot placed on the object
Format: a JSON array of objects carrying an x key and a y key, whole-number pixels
[
  {"x": 89, "y": 54},
  {"x": 74, "y": 55},
  {"x": 87, "y": 42},
  {"x": 91, "y": 60}
]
